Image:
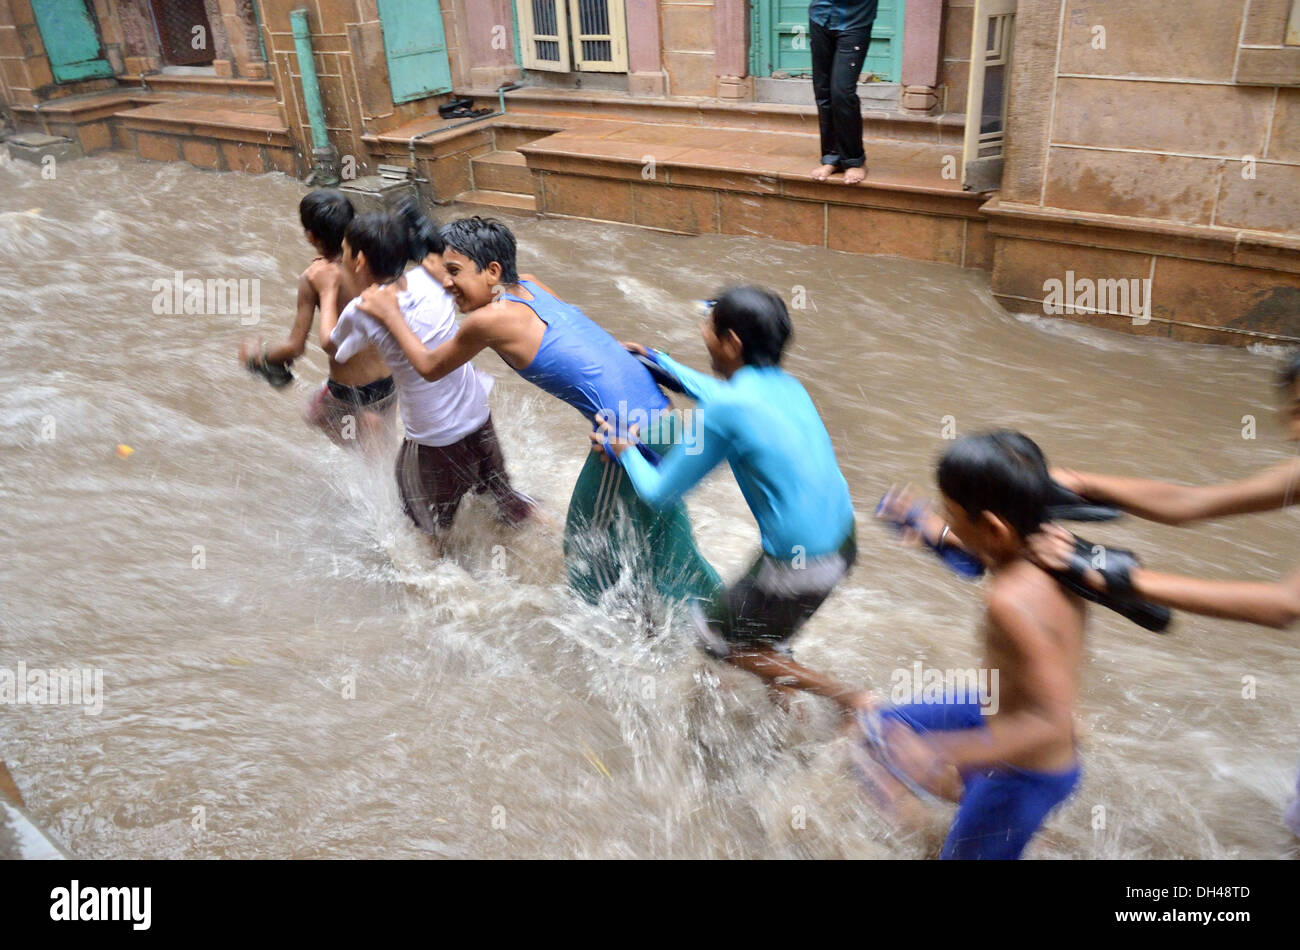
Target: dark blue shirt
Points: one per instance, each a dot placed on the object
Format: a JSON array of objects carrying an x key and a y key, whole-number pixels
[{"x": 842, "y": 14}]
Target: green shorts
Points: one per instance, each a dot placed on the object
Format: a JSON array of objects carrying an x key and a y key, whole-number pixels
[{"x": 610, "y": 530}]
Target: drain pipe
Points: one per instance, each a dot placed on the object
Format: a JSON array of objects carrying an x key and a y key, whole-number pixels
[
  {"x": 502, "y": 90},
  {"x": 410, "y": 144},
  {"x": 324, "y": 155}
]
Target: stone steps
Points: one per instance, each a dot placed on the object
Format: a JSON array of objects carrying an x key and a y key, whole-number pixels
[
  {"x": 208, "y": 85},
  {"x": 216, "y": 131},
  {"x": 502, "y": 171},
  {"x": 499, "y": 201},
  {"x": 699, "y": 180},
  {"x": 703, "y": 168}
]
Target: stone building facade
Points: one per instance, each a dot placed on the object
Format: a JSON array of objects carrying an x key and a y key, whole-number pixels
[{"x": 1140, "y": 142}]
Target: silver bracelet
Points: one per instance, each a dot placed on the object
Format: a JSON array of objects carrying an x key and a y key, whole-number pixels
[{"x": 943, "y": 536}]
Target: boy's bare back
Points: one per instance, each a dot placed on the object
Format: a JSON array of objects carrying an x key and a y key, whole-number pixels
[{"x": 365, "y": 367}]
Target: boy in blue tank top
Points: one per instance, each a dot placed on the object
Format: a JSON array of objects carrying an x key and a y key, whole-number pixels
[{"x": 555, "y": 346}]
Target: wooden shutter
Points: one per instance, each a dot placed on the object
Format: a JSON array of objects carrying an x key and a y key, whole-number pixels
[
  {"x": 544, "y": 34},
  {"x": 599, "y": 35},
  {"x": 416, "y": 48},
  {"x": 992, "y": 34},
  {"x": 71, "y": 40}
]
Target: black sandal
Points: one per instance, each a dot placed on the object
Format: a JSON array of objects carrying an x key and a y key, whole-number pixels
[
  {"x": 1117, "y": 571},
  {"x": 277, "y": 374}
]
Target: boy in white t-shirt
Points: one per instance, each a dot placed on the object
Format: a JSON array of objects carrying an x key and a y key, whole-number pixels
[{"x": 450, "y": 447}]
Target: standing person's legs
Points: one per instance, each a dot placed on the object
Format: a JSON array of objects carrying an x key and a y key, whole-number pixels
[
  {"x": 845, "y": 107},
  {"x": 822, "y": 42}
]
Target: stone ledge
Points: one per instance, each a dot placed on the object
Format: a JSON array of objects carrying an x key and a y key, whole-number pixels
[
  {"x": 211, "y": 85},
  {"x": 588, "y": 104},
  {"x": 1207, "y": 243},
  {"x": 715, "y": 205},
  {"x": 733, "y": 161}
]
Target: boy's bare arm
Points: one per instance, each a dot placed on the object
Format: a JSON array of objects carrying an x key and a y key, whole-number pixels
[
  {"x": 1169, "y": 503},
  {"x": 251, "y": 349},
  {"x": 472, "y": 337},
  {"x": 296, "y": 344},
  {"x": 1044, "y": 710},
  {"x": 327, "y": 281},
  {"x": 1269, "y": 605}
]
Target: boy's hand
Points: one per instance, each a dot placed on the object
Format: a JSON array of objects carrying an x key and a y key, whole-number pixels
[
  {"x": 901, "y": 508},
  {"x": 603, "y": 437},
  {"x": 1076, "y": 482},
  {"x": 1052, "y": 549},
  {"x": 250, "y": 350},
  {"x": 381, "y": 303},
  {"x": 323, "y": 276},
  {"x": 636, "y": 348},
  {"x": 858, "y": 700}
]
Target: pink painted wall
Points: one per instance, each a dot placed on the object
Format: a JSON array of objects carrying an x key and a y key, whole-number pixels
[
  {"x": 485, "y": 19},
  {"x": 731, "y": 37},
  {"x": 643, "y": 36},
  {"x": 922, "y": 42}
]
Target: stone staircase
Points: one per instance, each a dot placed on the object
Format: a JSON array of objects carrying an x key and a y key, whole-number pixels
[
  {"x": 501, "y": 180},
  {"x": 693, "y": 166}
]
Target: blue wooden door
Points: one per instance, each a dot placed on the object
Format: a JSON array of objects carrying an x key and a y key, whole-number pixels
[
  {"x": 416, "y": 47},
  {"x": 71, "y": 40},
  {"x": 779, "y": 39}
]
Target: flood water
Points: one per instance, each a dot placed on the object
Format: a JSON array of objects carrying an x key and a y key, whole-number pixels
[{"x": 288, "y": 672}]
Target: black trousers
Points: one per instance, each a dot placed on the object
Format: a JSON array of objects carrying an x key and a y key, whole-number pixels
[{"x": 837, "y": 58}]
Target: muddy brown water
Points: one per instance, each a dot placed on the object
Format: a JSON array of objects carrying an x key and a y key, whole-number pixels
[{"x": 493, "y": 716}]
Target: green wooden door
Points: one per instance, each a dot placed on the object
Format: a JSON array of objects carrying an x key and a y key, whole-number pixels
[
  {"x": 416, "y": 48},
  {"x": 71, "y": 40},
  {"x": 779, "y": 39}
]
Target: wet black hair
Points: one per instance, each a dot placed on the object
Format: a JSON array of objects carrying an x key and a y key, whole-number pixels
[
  {"x": 484, "y": 240},
  {"x": 385, "y": 241},
  {"x": 424, "y": 236},
  {"x": 1003, "y": 472},
  {"x": 1290, "y": 372},
  {"x": 759, "y": 318},
  {"x": 326, "y": 214}
]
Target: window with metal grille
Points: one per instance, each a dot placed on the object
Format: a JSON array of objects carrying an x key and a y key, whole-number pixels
[
  {"x": 545, "y": 24},
  {"x": 593, "y": 20},
  {"x": 184, "y": 33},
  {"x": 590, "y": 33}
]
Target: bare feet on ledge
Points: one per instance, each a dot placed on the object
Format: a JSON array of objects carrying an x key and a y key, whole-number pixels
[
  {"x": 855, "y": 176},
  {"x": 823, "y": 172}
]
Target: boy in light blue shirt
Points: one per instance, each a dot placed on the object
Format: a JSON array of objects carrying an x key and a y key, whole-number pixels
[{"x": 762, "y": 421}]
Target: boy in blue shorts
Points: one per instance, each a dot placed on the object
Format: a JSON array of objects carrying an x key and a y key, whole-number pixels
[{"x": 1012, "y": 762}]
